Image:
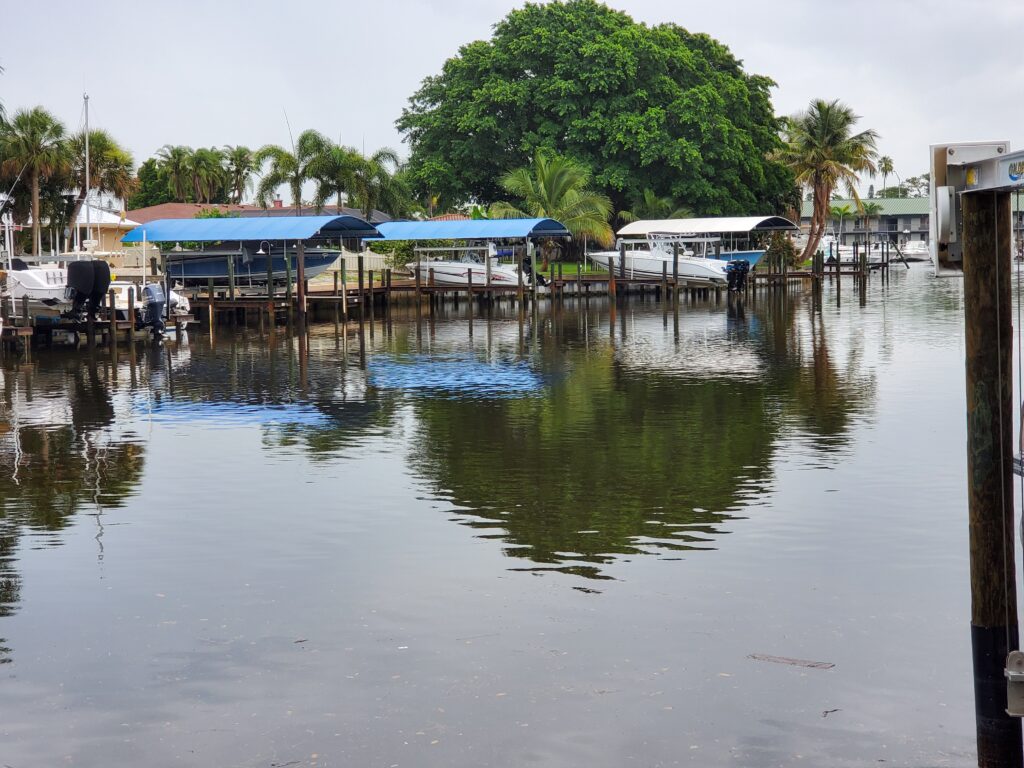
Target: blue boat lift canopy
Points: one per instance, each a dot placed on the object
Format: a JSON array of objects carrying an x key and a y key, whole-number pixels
[
  {"x": 254, "y": 228},
  {"x": 472, "y": 229}
]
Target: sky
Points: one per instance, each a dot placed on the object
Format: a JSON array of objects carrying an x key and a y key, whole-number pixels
[{"x": 226, "y": 72}]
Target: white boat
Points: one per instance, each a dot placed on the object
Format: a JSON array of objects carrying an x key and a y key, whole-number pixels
[
  {"x": 916, "y": 250},
  {"x": 480, "y": 262},
  {"x": 647, "y": 260},
  {"x": 43, "y": 284},
  {"x": 706, "y": 246}
]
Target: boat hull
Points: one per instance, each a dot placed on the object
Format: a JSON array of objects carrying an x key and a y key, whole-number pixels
[
  {"x": 652, "y": 266},
  {"x": 456, "y": 273},
  {"x": 202, "y": 269}
]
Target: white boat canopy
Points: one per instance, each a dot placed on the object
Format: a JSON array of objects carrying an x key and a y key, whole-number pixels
[{"x": 723, "y": 225}]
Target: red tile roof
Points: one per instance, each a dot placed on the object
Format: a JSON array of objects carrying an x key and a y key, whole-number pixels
[
  {"x": 451, "y": 217},
  {"x": 176, "y": 211}
]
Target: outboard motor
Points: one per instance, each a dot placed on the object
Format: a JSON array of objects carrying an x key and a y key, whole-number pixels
[
  {"x": 79, "y": 288},
  {"x": 155, "y": 301},
  {"x": 736, "y": 273},
  {"x": 100, "y": 283}
]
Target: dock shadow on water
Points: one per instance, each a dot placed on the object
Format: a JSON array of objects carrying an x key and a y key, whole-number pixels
[{"x": 472, "y": 537}]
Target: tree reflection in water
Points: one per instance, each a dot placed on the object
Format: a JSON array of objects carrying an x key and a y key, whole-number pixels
[
  {"x": 65, "y": 454},
  {"x": 639, "y": 448}
]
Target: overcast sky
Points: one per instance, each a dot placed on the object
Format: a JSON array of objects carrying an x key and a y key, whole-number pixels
[{"x": 214, "y": 73}]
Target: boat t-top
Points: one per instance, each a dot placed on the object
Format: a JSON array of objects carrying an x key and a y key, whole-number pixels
[{"x": 701, "y": 247}]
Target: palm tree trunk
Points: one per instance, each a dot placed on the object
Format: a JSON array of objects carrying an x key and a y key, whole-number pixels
[
  {"x": 35, "y": 213},
  {"x": 822, "y": 195}
]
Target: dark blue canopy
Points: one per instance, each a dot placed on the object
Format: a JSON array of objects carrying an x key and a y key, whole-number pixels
[
  {"x": 253, "y": 228},
  {"x": 471, "y": 229}
]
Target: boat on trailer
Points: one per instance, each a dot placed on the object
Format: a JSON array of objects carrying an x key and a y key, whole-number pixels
[{"x": 704, "y": 246}]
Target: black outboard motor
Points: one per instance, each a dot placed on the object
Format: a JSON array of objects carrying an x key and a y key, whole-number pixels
[
  {"x": 532, "y": 273},
  {"x": 79, "y": 289},
  {"x": 736, "y": 273},
  {"x": 88, "y": 282},
  {"x": 100, "y": 284},
  {"x": 155, "y": 301}
]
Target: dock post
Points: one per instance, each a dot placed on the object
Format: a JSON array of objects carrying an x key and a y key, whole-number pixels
[
  {"x": 130, "y": 333},
  {"x": 211, "y": 315},
  {"x": 622, "y": 261},
  {"x": 25, "y": 319},
  {"x": 469, "y": 292},
  {"x": 270, "y": 273},
  {"x": 360, "y": 286},
  {"x": 369, "y": 290},
  {"x": 300, "y": 279},
  {"x": 416, "y": 290},
  {"x": 989, "y": 342},
  {"x": 534, "y": 278},
  {"x": 675, "y": 272},
  {"x": 288, "y": 280},
  {"x": 335, "y": 282},
  {"x": 664, "y": 281},
  {"x": 344, "y": 289},
  {"x": 231, "y": 278},
  {"x": 519, "y": 278}
]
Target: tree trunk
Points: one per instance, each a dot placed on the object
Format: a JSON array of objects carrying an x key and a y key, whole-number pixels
[
  {"x": 35, "y": 213},
  {"x": 822, "y": 194}
]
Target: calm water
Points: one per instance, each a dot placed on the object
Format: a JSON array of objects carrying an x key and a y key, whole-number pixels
[{"x": 480, "y": 543}]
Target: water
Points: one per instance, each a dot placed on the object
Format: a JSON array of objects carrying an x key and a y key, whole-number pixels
[{"x": 476, "y": 543}]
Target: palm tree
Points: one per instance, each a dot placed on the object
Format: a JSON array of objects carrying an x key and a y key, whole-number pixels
[
  {"x": 241, "y": 164},
  {"x": 885, "y": 167},
  {"x": 34, "y": 141},
  {"x": 209, "y": 175},
  {"x": 110, "y": 168},
  {"x": 558, "y": 188},
  {"x": 650, "y": 206},
  {"x": 174, "y": 163},
  {"x": 869, "y": 210},
  {"x": 333, "y": 167},
  {"x": 839, "y": 212},
  {"x": 378, "y": 184},
  {"x": 291, "y": 168},
  {"x": 823, "y": 152}
]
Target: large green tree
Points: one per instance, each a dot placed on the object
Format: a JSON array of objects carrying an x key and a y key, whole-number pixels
[
  {"x": 151, "y": 187},
  {"x": 643, "y": 107}
]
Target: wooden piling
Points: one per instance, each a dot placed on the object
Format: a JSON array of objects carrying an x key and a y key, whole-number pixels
[
  {"x": 675, "y": 272},
  {"x": 300, "y": 276},
  {"x": 359, "y": 287},
  {"x": 231, "y": 278},
  {"x": 130, "y": 332},
  {"x": 344, "y": 289},
  {"x": 989, "y": 337}
]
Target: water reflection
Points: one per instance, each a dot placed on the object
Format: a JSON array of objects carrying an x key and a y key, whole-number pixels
[
  {"x": 652, "y": 439},
  {"x": 64, "y": 454}
]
